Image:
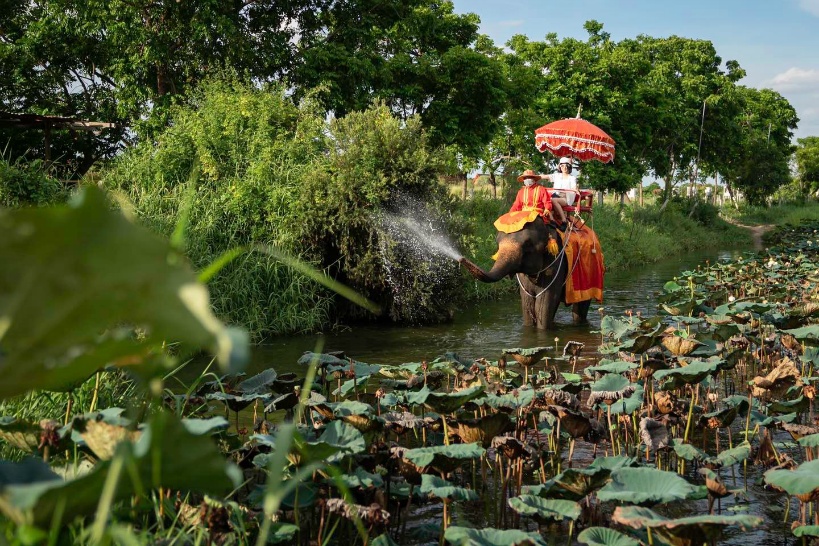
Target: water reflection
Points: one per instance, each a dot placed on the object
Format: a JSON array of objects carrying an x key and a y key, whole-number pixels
[{"x": 486, "y": 329}]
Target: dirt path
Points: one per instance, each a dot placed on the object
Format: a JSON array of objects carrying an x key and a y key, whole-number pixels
[{"x": 756, "y": 232}]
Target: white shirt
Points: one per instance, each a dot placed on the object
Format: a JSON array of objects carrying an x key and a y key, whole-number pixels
[{"x": 562, "y": 181}]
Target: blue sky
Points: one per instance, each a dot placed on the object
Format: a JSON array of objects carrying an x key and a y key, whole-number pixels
[{"x": 775, "y": 41}]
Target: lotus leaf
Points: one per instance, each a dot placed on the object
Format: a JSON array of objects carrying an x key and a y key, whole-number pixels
[
  {"x": 483, "y": 430},
  {"x": 282, "y": 532},
  {"x": 283, "y": 402},
  {"x": 575, "y": 424},
  {"x": 603, "y": 536},
  {"x": 653, "y": 434},
  {"x": 802, "y": 482},
  {"x": 687, "y": 451},
  {"x": 806, "y": 531},
  {"x": 647, "y": 487},
  {"x": 25, "y": 436},
  {"x": 166, "y": 455},
  {"x": 322, "y": 359},
  {"x": 720, "y": 418},
  {"x": 342, "y": 436},
  {"x": 773, "y": 420},
  {"x": 805, "y": 333},
  {"x": 695, "y": 372},
  {"x": 200, "y": 427},
  {"x": 361, "y": 369},
  {"x": 400, "y": 422},
  {"x": 680, "y": 346},
  {"x": 610, "y": 366},
  {"x": 103, "y": 438},
  {"x": 729, "y": 457},
  {"x": 511, "y": 401},
  {"x": 418, "y": 397},
  {"x": 690, "y": 531},
  {"x": 259, "y": 383},
  {"x": 811, "y": 440},
  {"x": 464, "y": 536},
  {"x": 552, "y": 395},
  {"x": 527, "y": 357},
  {"x": 449, "y": 402},
  {"x": 630, "y": 403},
  {"x": 610, "y": 382},
  {"x": 682, "y": 308},
  {"x": 236, "y": 402},
  {"x": 572, "y": 484},
  {"x": 442, "y": 489},
  {"x": 361, "y": 478},
  {"x": 90, "y": 270},
  {"x": 351, "y": 385},
  {"x": 443, "y": 458},
  {"x": 545, "y": 510}
]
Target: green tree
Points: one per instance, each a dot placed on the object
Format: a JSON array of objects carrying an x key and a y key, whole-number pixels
[
  {"x": 807, "y": 164},
  {"x": 418, "y": 57},
  {"x": 757, "y": 163}
]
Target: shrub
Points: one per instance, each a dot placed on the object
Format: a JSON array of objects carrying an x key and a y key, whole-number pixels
[
  {"x": 264, "y": 171},
  {"x": 28, "y": 184}
]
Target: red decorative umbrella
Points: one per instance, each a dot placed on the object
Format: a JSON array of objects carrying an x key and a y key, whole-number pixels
[{"x": 575, "y": 137}]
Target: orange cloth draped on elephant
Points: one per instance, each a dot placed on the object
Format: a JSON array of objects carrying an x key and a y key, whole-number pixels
[
  {"x": 531, "y": 202},
  {"x": 585, "y": 260}
]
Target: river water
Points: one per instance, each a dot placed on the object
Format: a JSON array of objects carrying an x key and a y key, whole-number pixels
[{"x": 484, "y": 330}]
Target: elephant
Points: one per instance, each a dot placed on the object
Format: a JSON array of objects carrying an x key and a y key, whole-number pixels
[{"x": 542, "y": 277}]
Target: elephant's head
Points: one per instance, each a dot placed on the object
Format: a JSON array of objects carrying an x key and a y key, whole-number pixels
[{"x": 524, "y": 251}]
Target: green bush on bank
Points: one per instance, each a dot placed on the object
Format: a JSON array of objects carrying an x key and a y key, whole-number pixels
[
  {"x": 28, "y": 184},
  {"x": 268, "y": 172}
]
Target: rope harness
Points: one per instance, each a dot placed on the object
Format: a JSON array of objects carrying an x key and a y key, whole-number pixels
[{"x": 558, "y": 257}]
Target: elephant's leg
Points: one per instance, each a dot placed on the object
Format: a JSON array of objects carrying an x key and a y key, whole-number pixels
[
  {"x": 527, "y": 304},
  {"x": 580, "y": 312}
]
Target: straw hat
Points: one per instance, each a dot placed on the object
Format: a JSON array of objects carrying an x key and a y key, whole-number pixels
[{"x": 528, "y": 173}]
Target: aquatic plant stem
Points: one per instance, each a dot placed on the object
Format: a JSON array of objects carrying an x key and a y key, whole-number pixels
[
  {"x": 94, "y": 398},
  {"x": 611, "y": 430}
]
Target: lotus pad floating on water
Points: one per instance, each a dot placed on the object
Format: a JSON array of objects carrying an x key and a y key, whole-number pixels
[
  {"x": 648, "y": 486},
  {"x": 464, "y": 536},
  {"x": 603, "y": 536},
  {"x": 690, "y": 531},
  {"x": 527, "y": 357}
]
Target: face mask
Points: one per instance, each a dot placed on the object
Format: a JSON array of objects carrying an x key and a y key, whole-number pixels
[{"x": 528, "y": 182}]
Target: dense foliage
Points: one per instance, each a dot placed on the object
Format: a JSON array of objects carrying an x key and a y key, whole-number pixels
[
  {"x": 244, "y": 168},
  {"x": 28, "y": 184}
]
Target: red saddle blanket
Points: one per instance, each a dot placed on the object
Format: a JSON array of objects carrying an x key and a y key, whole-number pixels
[{"x": 585, "y": 261}]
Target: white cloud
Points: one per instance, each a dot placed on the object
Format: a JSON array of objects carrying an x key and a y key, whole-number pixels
[
  {"x": 515, "y": 23},
  {"x": 811, "y": 6},
  {"x": 797, "y": 80}
]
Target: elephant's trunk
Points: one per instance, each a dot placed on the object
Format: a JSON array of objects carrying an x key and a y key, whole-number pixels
[{"x": 497, "y": 272}]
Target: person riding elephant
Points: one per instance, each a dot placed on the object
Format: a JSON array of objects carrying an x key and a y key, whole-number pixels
[
  {"x": 532, "y": 196},
  {"x": 562, "y": 180}
]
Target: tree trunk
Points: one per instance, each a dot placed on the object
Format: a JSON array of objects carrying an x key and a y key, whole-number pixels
[
  {"x": 494, "y": 181},
  {"x": 466, "y": 182}
]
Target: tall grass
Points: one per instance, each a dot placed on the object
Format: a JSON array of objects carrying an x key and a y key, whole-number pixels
[{"x": 790, "y": 213}]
